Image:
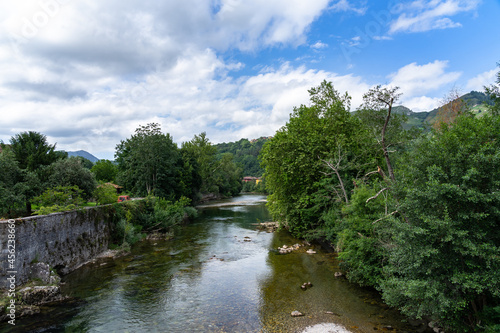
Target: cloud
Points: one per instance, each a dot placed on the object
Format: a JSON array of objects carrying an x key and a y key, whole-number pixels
[
  {"x": 382, "y": 38},
  {"x": 425, "y": 15},
  {"x": 88, "y": 73},
  {"x": 319, "y": 45},
  {"x": 346, "y": 6},
  {"x": 480, "y": 81},
  {"x": 414, "y": 79},
  {"x": 422, "y": 103}
]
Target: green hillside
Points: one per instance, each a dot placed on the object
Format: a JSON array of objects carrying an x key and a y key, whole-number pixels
[
  {"x": 476, "y": 101},
  {"x": 245, "y": 154}
]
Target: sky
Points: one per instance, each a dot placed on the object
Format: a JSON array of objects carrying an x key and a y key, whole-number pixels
[{"x": 88, "y": 73}]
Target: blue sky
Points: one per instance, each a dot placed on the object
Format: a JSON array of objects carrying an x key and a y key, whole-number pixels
[{"x": 87, "y": 74}]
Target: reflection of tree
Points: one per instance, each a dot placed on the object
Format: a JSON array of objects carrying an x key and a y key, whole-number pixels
[{"x": 281, "y": 294}]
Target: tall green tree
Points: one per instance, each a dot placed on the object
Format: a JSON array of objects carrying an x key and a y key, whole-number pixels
[
  {"x": 295, "y": 159},
  {"x": 12, "y": 186},
  {"x": 104, "y": 171},
  {"x": 229, "y": 176},
  {"x": 32, "y": 150},
  {"x": 205, "y": 155},
  {"x": 148, "y": 162},
  {"x": 190, "y": 180},
  {"x": 445, "y": 255},
  {"x": 72, "y": 172}
]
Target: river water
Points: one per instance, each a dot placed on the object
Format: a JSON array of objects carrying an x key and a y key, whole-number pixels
[{"x": 219, "y": 274}]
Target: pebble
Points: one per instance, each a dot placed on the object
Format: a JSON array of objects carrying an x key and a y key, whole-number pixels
[{"x": 297, "y": 314}]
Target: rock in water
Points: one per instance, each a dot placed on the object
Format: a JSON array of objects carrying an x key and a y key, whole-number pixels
[{"x": 297, "y": 314}]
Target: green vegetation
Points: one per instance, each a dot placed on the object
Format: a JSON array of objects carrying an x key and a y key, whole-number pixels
[
  {"x": 132, "y": 220},
  {"x": 245, "y": 154},
  {"x": 414, "y": 215},
  {"x": 218, "y": 173},
  {"x": 105, "y": 194},
  {"x": 59, "y": 199},
  {"x": 148, "y": 163},
  {"x": 444, "y": 256},
  {"x": 104, "y": 171}
]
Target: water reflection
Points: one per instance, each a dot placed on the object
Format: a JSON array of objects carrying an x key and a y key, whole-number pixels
[{"x": 217, "y": 275}]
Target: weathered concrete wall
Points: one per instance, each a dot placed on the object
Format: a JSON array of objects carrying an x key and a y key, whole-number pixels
[{"x": 62, "y": 240}]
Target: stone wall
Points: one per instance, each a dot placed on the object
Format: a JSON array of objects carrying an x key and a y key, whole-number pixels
[{"x": 63, "y": 240}]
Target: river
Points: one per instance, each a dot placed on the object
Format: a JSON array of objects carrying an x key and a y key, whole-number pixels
[{"x": 219, "y": 274}]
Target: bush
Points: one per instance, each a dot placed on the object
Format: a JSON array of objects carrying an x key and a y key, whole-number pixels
[
  {"x": 358, "y": 243},
  {"x": 58, "y": 199},
  {"x": 105, "y": 194},
  {"x": 131, "y": 218}
]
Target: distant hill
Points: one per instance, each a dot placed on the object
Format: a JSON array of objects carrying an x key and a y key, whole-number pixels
[
  {"x": 245, "y": 154},
  {"x": 475, "y": 101},
  {"x": 83, "y": 154}
]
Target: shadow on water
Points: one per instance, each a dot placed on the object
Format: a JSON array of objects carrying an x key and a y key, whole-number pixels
[{"x": 219, "y": 274}]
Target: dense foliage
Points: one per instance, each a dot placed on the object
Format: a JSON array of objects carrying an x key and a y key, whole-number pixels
[
  {"x": 148, "y": 162},
  {"x": 131, "y": 220},
  {"x": 245, "y": 154},
  {"x": 296, "y": 160},
  {"x": 59, "y": 199},
  {"x": 105, "y": 194},
  {"x": 445, "y": 258},
  {"x": 219, "y": 173},
  {"x": 413, "y": 215},
  {"x": 72, "y": 172},
  {"x": 105, "y": 171}
]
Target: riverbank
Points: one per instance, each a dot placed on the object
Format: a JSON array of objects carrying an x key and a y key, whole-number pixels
[{"x": 219, "y": 273}]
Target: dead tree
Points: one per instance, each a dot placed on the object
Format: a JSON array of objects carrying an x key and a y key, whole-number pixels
[{"x": 383, "y": 98}]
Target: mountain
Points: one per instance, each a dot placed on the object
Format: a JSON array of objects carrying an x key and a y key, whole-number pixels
[
  {"x": 84, "y": 154},
  {"x": 475, "y": 100}
]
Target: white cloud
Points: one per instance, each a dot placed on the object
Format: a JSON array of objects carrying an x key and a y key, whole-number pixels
[
  {"x": 414, "y": 79},
  {"x": 382, "y": 38},
  {"x": 422, "y": 103},
  {"x": 480, "y": 81},
  {"x": 347, "y": 6},
  {"x": 319, "y": 45},
  {"x": 86, "y": 74},
  {"x": 424, "y": 15}
]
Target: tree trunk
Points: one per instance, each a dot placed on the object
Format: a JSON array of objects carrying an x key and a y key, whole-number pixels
[{"x": 384, "y": 147}]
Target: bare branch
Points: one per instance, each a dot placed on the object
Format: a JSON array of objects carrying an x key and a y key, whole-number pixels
[
  {"x": 383, "y": 218},
  {"x": 376, "y": 195},
  {"x": 335, "y": 169},
  {"x": 371, "y": 173}
]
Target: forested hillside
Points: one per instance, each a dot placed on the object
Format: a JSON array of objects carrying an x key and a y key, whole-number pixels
[
  {"x": 474, "y": 100},
  {"x": 245, "y": 154}
]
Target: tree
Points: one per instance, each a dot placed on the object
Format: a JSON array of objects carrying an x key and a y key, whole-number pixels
[
  {"x": 190, "y": 180},
  {"x": 104, "y": 170},
  {"x": 32, "y": 150},
  {"x": 228, "y": 176},
  {"x": 12, "y": 199},
  {"x": 381, "y": 100},
  {"x": 205, "y": 154},
  {"x": 87, "y": 164},
  {"x": 105, "y": 194},
  {"x": 294, "y": 158},
  {"x": 452, "y": 106},
  {"x": 493, "y": 92},
  {"x": 445, "y": 256},
  {"x": 148, "y": 162},
  {"x": 71, "y": 172}
]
